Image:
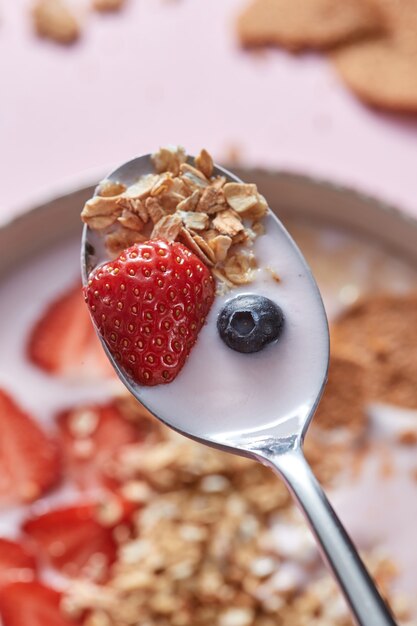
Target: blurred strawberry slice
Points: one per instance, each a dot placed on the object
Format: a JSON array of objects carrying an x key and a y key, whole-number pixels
[
  {"x": 79, "y": 540},
  {"x": 31, "y": 604},
  {"x": 29, "y": 460},
  {"x": 90, "y": 436},
  {"x": 17, "y": 563},
  {"x": 64, "y": 339}
]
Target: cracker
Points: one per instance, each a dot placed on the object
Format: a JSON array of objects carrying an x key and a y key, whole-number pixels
[
  {"x": 380, "y": 332},
  {"x": 382, "y": 71},
  {"x": 300, "y": 24},
  {"x": 380, "y": 74}
]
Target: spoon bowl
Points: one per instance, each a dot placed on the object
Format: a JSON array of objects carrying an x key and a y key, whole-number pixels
[
  {"x": 260, "y": 405},
  {"x": 247, "y": 400}
]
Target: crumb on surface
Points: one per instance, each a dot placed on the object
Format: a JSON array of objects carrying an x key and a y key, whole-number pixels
[
  {"x": 108, "y": 5},
  {"x": 53, "y": 19}
]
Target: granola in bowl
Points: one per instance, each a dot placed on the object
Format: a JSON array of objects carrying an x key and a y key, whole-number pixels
[{"x": 216, "y": 541}]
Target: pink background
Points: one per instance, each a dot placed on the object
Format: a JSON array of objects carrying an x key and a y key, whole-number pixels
[{"x": 171, "y": 71}]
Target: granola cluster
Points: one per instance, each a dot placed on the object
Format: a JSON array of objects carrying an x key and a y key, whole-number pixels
[
  {"x": 203, "y": 549},
  {"x": 216, "y": 219}
]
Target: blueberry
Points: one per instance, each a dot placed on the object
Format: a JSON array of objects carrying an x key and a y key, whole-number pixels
[{"x": 247, "y": 323}]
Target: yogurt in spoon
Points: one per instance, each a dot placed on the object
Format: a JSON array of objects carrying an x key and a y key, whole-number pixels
[{"x": 239, "y": 241}]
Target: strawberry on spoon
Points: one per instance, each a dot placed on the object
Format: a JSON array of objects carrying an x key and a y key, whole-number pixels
[{"x": 149, "y": 305}]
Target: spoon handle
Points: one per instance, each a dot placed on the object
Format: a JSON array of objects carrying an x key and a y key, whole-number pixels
[{"x": 337, "y": 549}]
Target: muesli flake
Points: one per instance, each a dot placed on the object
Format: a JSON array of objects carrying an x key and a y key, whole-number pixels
[{"x": 219, "y": 221}]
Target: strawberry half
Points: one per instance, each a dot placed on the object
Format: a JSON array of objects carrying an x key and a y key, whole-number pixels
[
  {"x": 149, "y": 306},
  {"x": 79, "y": 540},
  {"x": 17, "y": 563},
  {"x": 90, "y": 435},
  {"x": 63, "y": 341},
  {"x": 29, "y": 460},
  {"x": 31, "y": 604}
]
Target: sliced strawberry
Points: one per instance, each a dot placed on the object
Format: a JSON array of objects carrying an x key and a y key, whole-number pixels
[
  {"x": 91, "y": 435},
  {"x": 17, "y": 563},
  {"x": 149, "y": 306},
  {"x": 63, "y": 341},
  {"x": 29, "y": 460},
  {"x": 31, "y": 604},
  {"x": 79, "y": 540}
]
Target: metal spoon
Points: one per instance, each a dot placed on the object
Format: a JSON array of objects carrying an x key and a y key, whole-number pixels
[{"x": 276, "y": 439}]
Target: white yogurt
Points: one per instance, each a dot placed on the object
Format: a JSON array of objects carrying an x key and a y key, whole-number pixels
[{"x": 220, "y": 392}]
